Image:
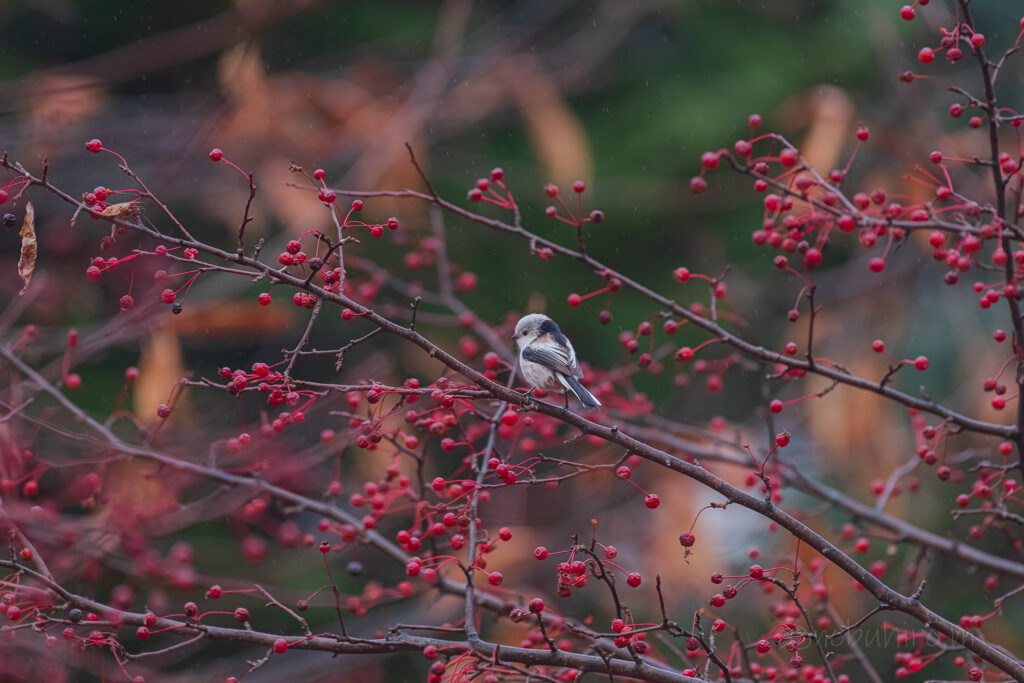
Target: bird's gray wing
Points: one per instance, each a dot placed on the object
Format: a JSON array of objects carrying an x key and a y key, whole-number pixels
[{"x": 550, "y": 357}]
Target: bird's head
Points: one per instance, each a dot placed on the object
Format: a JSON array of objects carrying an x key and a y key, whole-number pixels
[{"x": 529, "y": 328}]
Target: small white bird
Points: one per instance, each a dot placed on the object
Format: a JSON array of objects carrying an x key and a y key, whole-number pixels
[{"x": 548, "y": 361}]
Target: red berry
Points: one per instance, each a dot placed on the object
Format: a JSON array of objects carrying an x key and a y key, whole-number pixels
[
  {"x": 652, "y": 501},
  {"x": 216, "y": 154},
  {"x": 812, "y": 258},
  {"x": 574, "y": 300},
  {"x": 280, "y": 646},
  {"x": 578, "y": 187},
  {"x": 687, "y": 539},
  {"x": 926, "y": 55},
  {"x": 698, "y": 185},
  {"x": 633, "y": 579},
  {"x": 709, "y": 160},
  {"x": 94, "y": 146},
  {"x": 264, "y": 299},
  {"x": 921, "y": 363}
]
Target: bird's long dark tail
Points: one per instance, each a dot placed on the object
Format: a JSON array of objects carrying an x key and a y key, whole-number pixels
[{"x": 585, "y": 397}]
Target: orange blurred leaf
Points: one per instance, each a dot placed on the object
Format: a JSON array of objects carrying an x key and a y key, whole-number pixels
[{"x": 556, "y": 133}]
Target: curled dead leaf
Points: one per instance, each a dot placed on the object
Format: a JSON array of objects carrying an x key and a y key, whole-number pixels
[
  {"x": 125, "y": 210},
  {"x": 29, "y": 249}
]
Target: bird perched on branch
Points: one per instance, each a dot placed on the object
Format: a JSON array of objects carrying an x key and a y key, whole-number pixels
[{"x": 547, "y": 360}]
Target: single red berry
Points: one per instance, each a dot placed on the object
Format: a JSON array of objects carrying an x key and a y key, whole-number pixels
[
  {"x": 574, "y": 300},
  {"x": 652, "y": 501},
  {"x": 216, "y": 154},
  {"x": 977, "y": 40},
  {"x": 763, "y": 646},
  {"x": 687, "y": 539},
  {"x": 698, "y": 185},
  {"x": 93, "y": 273},
  {"x": 495, "y": 578},
  {"x": 812, "y": 258},
  {"x": 788, "y": 157},
  {"x": 127, "y": 301},
  {"x": 921, "y": 363},
  {"x": 633, "y": 579},
  {"x": 926, "y": 55},
  {"x": 578, "y": 187},
  {"x": 264, "y": 299},
  {"x": 94, "y": 146},
  {"x": 876, "y": 265},
  {"x": 280, "y": 646},
  {"x": 862, "y": 133}
]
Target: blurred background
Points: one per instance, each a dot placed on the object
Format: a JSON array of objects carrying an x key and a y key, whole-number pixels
[{"x": 622, "y": 95}]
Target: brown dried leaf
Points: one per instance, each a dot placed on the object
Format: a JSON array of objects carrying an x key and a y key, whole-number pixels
[
  {"x": 29, "y": 249},
  {"x": 126, "y": 210}
]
